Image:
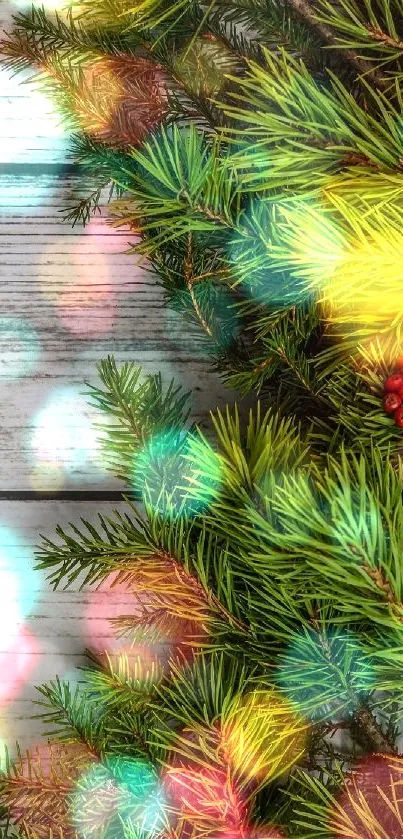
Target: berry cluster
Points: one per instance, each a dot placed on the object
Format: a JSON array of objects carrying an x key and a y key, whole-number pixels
[{"x": 393, "y": 396}]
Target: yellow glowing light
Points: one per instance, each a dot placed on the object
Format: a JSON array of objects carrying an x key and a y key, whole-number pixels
[
  {"x": 49, "y": 5},
  {"x": 262, "y": 736},
  {"x": 98, "y": 98},
  {"x": 350, "y": 260}
]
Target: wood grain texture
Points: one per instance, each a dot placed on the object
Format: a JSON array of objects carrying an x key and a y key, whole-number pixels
[
  {"x": 30, "y": 127},
  {"x": 68, "y": 298},
  {"x": 43, "y": 633}
]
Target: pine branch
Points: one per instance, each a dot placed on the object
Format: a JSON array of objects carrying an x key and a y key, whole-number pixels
[{"x": 364, "y": 68}]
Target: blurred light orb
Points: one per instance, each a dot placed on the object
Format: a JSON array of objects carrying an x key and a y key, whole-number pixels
[
  {"x": 64, "y": 434},
  {"x": 262, "y": 735},
  {"x": 19, "y": 348},
  {"x": 17, "y": 663},
  {"x": 201, "y": 790},
  {"x": 122, "y": 791},
  {"x": 301, "y": 674},
  {"x": 19, "y": 584},
  {"x": 27, "y": 116},
  {"x": 49, "y": 5},
  {"x": 176, "y": 474},
  {"x": 86, "y": 311},
  {"x": 371, "y": 803}
]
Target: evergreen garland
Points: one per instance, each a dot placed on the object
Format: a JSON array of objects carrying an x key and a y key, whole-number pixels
[{"x": 264, "y": 182}]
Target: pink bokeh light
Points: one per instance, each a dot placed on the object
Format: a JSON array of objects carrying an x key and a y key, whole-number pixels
[{"x": 17, "y": 663}]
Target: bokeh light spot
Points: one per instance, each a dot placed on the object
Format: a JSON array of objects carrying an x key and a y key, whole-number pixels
[
  {"x": 19, "y": 583},
  {"x": 263, "y": 736},
  {"x": 87, "y": 311},
  {"x": 17, "y": 663},
  {"x": 325, "y": 673},
  {"x": 177, "y": 473},
  {"x": 64, "y": 434},
  {"x": 28, "y": 122},
  {"x": 121, "y": 791},
  {"x": 371, "y": 803}
]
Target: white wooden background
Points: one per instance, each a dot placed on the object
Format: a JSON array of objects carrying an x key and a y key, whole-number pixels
[{"x": 68, "y": 297}]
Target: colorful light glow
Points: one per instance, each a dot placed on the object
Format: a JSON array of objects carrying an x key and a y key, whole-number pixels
[
  {"x": 19, "y": 584},
  {"x": 371, "y": 803},
  {"x": 49, "y": 5},
  {"x": 202, "y": 790},
  {"x": 85, "y": 295},
  {"x": 105, "y": 604},
  {"x": 320, "y": 659},
  {"x": 17, "y": 664},
  {"x": 64, "y": 434},
  {"x": 140, "y": 659},
  {"x": 19, "y": 348},
  {"x": 205, "y": 795},
  {"x": 169, "y": 462},
  {"x": 29, "y": 123},
  {"x": 18, "y": 197},
  {"x": 87, "y": 311},
  {"x": 263, "y": 736},
  {"x": 121, "y": 791}
]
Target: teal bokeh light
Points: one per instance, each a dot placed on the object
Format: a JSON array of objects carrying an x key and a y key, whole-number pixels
[
  {"x": 176, "y": 473},
  {"x": 20, "y": 583},
  {"x": 326, "y": 674},
  {"x": 122, "y": 793}
]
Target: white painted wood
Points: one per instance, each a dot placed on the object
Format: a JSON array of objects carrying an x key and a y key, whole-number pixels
[
  {"x": 59, "y": 625},
  {"x": 67, "y": 299},
  {"x": 30, "y": 127},
  {"x": 76, "y": 297}
]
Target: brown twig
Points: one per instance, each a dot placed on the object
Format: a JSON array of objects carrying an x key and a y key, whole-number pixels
[
  {"x": 384, "y": 38},
  {"x": 363, "y": 67},
  {"x": 189, "y": 282}
]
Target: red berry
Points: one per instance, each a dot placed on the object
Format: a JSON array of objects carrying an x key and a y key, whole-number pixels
[
  {"x": 394, "y": 382},
  {"x": 391, "y": 402},
  {"x": 399, "y": 417}
]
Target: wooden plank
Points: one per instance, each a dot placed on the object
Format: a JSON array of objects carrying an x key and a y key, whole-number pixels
[
  {"x": 68, "y": 298},
  {"x": 43, "y": 633},
  {"x": 30, "y": 127}
]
